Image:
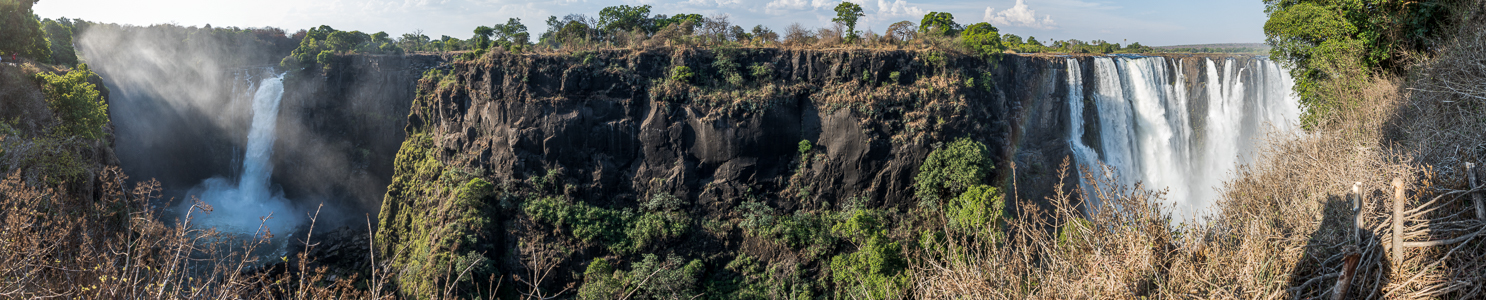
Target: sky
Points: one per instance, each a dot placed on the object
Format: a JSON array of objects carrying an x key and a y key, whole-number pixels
[{"x": 1149, "y": 22}]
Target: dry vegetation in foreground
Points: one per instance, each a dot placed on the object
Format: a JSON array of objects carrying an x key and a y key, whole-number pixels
[
  {"x": 115, "y": 246},
  {"x": 1286, "y": 227}
]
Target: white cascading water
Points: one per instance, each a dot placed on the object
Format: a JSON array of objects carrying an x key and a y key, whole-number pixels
[
  {"x": 1082, "y": 154},
  {"x": 237, "y": 208},
  {"x": 1146, "y": 124}
]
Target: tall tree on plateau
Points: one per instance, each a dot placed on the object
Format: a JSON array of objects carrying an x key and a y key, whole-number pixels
[
  {"x": 626, "y": 18},
  {"x": 482, "y": 36},
  {"x": 20, "y": 31},
  {"x": 939, "y": 23},
  {"x": 848, "y": 13}
]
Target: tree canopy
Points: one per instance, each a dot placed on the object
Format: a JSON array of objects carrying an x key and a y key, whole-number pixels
[
  {"x": 1344, "y": 42},
  {"x": 848, "y": 13},
  {"x": 20, "y": 31},
  {"x": 939, "y": 23}
]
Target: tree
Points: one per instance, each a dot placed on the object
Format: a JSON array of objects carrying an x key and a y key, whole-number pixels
[
  {"x": 763, "y": 34},
  {"x": 902, "y": 31},
  {"x": 1011, "y": 40},
  {"x": 415, "y": 41},
  {"x": 20, "y": 31},
  {"x": 482, "y": 37},
  {"x": 76, "y": 102},
  {"x": 626, "y": 18},
  {"x": 661, "y": 21},
  {"x": 738, "y": 34},
  {"x": 512, "y": 32},
  {"x": 848, "y": 13},
  {"x": 982, "y": 39},
  {"x": 939, "y": 23},
  {"x": 60, "y": 35}
]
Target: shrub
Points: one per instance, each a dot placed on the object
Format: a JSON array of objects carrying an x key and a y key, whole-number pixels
[
  {"x": 876, "y": 269},
  {"x": 682, "y": 74},
  {"x": 76, "y": 102},
  {"x": 805, "y": 147},
  {"x": 949, "y": 170},
  {"x": 978, "y": 209},
  {"x": 762, "y": 72},
  {"x": 600, "y": 281},
  {"x": 622, "y": 231}
]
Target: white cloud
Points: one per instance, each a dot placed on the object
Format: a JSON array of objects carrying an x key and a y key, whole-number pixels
[
  {"x": 1019, "y": 16},
  {"x": 788, "y": 5},
  {"x": 897, "y": 8}
]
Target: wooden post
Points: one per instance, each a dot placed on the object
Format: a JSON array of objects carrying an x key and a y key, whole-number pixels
[
  {"x": 1470, "y": 169},
  {"x": 1349, "y": 270},
  {"x": 1398, "y": 199},
  {"x": 1357, "y": 211}
]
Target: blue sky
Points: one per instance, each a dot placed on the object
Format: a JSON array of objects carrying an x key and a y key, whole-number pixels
[{"x": 1150, "y": 22}]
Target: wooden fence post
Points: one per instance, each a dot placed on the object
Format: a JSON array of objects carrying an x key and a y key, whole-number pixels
[
  {"x": 1470, "y": 169},
  {"x": 1398, "y": 199},
  {"x": 1357, "y": 210}
]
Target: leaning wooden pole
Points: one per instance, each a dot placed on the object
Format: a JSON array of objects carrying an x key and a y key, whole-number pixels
[
  {"x": 1470, "y": 170},
  {"x": 1357, "y": 212},
  {"x": 1398, "y": 199}
]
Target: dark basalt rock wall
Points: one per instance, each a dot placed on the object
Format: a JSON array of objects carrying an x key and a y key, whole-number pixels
[
  {"x": 602, "y": 127},
  {"x": 612, "y": 129}
]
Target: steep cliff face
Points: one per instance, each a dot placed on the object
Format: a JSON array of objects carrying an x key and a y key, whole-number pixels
[
  {"x": 798, "y": 131},
  {"x": 598, "y": 160}
]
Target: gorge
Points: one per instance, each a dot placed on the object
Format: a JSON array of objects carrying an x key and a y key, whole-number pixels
[{"x": 612, "y": 156}]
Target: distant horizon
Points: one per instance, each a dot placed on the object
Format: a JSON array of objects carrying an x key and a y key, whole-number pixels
[{"x": 1149, "y": 22}]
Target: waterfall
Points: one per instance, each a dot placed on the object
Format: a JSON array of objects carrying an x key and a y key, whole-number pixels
[
  {"x": 1082, "y": 154},
  {"x": 1146, "y": 122},
  {"x": 237, "y": 208}
]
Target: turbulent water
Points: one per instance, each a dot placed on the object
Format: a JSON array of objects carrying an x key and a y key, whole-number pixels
[
  {"x": 237, "y": 208},
  {"x": 1150, "y": 131}
]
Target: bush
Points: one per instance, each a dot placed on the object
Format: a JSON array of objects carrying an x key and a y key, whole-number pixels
[
  {"x": 950, "y": 170},
  {"x": 682, "y": 74},
  {"x": 976, "y": 211},
  {"x": 876, "y": 269},
  {"x": 622, "y": 231},
  {"x": 76, "y": 102},
  {"x": 762, "y": 72}
]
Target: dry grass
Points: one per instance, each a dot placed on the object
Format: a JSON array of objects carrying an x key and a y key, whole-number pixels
[{"x": 115, "y": 246}]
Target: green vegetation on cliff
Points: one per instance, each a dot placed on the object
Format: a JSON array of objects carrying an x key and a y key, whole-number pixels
[{"x": 1335, "y": 46}]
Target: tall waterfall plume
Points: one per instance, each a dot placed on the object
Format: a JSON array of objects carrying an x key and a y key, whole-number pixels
[
  {"x": 237, "y": 208},
  {"x": 1152, "y": 130}
]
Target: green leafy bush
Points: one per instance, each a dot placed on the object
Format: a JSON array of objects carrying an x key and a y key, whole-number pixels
[
  {"x": 762, "y": 72},
  {"x": 600, "y": 281},
  {"x": 76, "y": 102},
  {"x": 876, "y": 270},
  {"x": 978, "y": 209},
  {"x": 952, "y": 169},
  {"x": 649, "y": 278},
  {"x": 622, "y": 231},
  {"x": 682, "y": 74}
]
